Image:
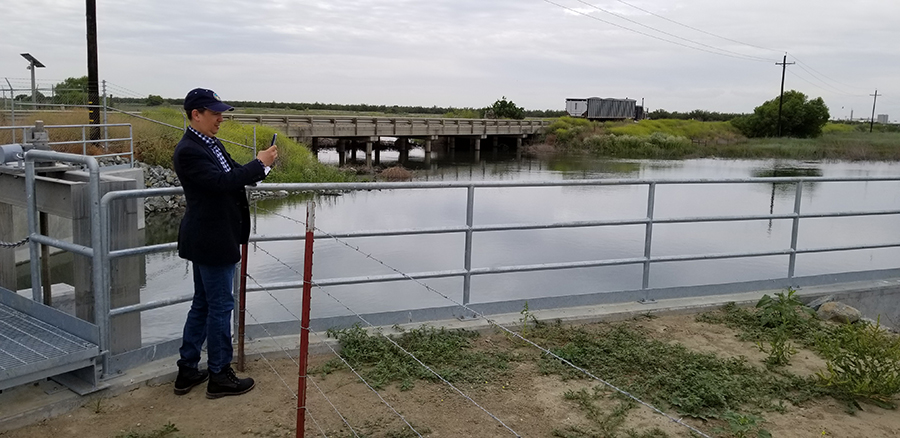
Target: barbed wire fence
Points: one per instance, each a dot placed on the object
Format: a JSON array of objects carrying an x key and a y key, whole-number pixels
[
  {"x": 481, "y": 315},
  {"x": 11, "y": 245},
  {"x": 323, "y": 342}
]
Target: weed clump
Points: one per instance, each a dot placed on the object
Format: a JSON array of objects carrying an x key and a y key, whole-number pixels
[
  {"x": 448, "y": 352},
  {"x": 862, "y": 360},
  {"x": 697, "y": 384}
]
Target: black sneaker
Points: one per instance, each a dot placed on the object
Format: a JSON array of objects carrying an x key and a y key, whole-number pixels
[
  {"x": 225, "y": 383},
  {"x": 188, "y": 378}
]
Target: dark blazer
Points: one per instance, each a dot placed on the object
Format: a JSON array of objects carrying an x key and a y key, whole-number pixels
[{"x": 217, "y": 217}]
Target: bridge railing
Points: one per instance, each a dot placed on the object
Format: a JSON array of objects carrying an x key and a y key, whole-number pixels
[{"x": 363, "y": 126}]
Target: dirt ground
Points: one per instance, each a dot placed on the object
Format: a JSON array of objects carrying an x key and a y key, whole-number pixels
[{"x": 529, "y": 403}]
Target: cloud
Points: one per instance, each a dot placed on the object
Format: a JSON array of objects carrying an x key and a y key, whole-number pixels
[{"x": 468, "y": 52}]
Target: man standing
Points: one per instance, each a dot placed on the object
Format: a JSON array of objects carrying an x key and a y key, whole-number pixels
[{"x": 216, "y": 222}]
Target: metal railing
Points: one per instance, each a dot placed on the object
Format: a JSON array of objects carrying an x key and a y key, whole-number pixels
[
  {"x": 469, "y": 229},
  {"x": 103, "y": 257},
  {"x": 85, "y": 139},
  {"x": 365, "y": 126}
]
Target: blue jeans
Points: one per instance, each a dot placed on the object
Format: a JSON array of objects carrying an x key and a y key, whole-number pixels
[{"x": 209, "y": 318}]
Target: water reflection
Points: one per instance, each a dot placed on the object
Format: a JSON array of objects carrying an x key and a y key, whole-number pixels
[
  {"x": 379, "y": 210},
  {"x": 787, "y": 189}
]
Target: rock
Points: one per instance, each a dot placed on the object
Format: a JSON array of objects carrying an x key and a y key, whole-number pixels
[
  {"x": 816, "y": 303},
  {"x": 839, "y": 312}
]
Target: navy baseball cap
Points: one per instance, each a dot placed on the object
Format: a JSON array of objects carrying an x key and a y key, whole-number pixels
[{"x": 202, "y": 98}]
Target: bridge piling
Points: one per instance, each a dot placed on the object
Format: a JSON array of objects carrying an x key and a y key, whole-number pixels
[{"x": 342, "y": 152}]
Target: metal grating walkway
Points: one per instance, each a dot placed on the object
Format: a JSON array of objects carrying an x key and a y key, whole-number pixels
[{"x": 32, "y": 349}]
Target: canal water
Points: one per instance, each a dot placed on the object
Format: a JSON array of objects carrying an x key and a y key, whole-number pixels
[{"x": 169, "y": 276}]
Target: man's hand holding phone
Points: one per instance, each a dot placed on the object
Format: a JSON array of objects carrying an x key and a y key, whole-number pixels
[{"x": 268, "y": 156}]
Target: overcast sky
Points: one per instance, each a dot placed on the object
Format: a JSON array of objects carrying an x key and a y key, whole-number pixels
[{"x": 679, "y": 55}]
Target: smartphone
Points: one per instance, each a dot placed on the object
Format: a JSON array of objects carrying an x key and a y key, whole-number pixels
[{"x": 274, "y": 136}]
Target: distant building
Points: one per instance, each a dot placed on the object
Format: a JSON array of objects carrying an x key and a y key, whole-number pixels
[
  {"x": 883, "y": 118},
  {"x": 596, "y": 108}
]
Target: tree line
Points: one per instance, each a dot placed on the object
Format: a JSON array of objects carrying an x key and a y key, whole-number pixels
[{"x": 801, "y": 117}]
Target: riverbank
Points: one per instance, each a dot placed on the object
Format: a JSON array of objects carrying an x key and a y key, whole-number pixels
[{"x": 685, "y": 139}]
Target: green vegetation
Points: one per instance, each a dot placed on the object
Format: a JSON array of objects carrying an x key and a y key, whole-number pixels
[
  {"x": 73, "y": 91},
  {"x": 863, "y": 363},
  {"x": 154, "y": 143},
  {"x": 603, "y": 424},
  {"x": 679, "y": 139},
  {"x": 163, "y": 432},
  {"x": 699, "y": 115},
  {"x": 464, "y": 113},
  {"x": 743, "y": 426},
  {"x": 372, "y": 430},
  {"x": 447, "y": 352},
  {"x": 780, "y": 314},
  {"x": 504, "y": 109},
  {"x": 800, "y": 117},
  {"x": 667, "y": 375},
  {"x": 862, "y": 360},
  {"x": 690, "y": 129}
]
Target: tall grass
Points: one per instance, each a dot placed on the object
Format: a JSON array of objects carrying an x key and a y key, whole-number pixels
[
  {"x": 154, "y": 143},
  {"x": 677, "y": 139}
]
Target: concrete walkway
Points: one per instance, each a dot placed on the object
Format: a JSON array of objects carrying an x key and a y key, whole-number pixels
[{"x": 28, "y": 404}]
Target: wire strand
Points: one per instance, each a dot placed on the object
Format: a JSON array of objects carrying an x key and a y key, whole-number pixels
[
  {"x": 495, "y": 324},
  {"x": 336, "y": 410},
  {"x": 744, "y": 57},
  {"x": 671, "y": 34},
  {"x": 360, "y": 377},
  {"x": 696, "y": 29}
]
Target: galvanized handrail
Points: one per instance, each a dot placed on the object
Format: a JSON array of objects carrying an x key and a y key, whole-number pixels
[
  {"x": 84, "y": 140},
  {"x": 99, "y": 288},
  {"x": 470, "y": 228}
]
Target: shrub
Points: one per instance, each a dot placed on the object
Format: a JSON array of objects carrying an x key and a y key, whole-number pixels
[{"x": 864, "y": 363}]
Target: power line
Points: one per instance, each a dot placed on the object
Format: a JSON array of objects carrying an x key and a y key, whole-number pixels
[
  {"x": 835, "y": 81},
  {"x": 819, "y": 86},
  {"x": 670, "y": 34},
  {"x": 832, "y": 88},
  {"x": 694, "y": 28},
  {"x": 575, "y": 11},
  {"x": 715, "y": 50}
]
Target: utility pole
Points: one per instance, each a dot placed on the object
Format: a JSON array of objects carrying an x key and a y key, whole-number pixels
[
  {"x": 783, "y": 65},
  {"x": 93, "y": 75},
  {"x": 872, "y": 120}
]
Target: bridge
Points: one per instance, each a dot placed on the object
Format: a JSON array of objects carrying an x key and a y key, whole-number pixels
[{"x": 350, "y": 131}]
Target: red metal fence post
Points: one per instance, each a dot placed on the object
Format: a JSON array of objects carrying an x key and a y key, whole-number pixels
[{"x": 304, "y": 318}]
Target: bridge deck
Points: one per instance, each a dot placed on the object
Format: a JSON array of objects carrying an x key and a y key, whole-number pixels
[
  {"x": 360, "y": 127},
  {"x": 33, "y": 346}
]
